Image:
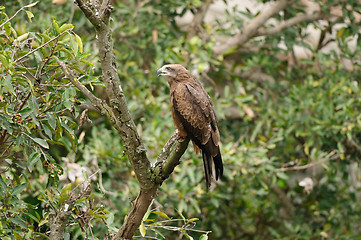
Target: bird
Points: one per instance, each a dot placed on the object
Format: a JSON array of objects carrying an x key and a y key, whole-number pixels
[{"x": 194, "y": 117}]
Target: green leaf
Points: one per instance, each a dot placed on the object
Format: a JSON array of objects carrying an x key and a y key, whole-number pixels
[
  {"x": 282, "y": 175},
  {"x": 187, "y": 235},
  {"x": 8, "y": 85},
  {"x": 74, "y": 46},
  {"x": 43, "y": 221},
  {"x": 4, "y": 61},
  {"x": 51, "y": 120},
  {"x": 2, "y": 183},
  {"x": 85, "y": 174},
  {"x": 80, "y": 43},
  {"x": 34, "y": 105},
  {"x": 67, "y": 188},
  {"x": 203, "y": 237},
  {"x": 30, "y": 15},
  {"x": 162, "y": 214},
  {"x": 26, "y": 112},
  {"x": 66, "y": 236},
  {"x": 180, "y": 214},
  {"x": 65, "y": 27},
  {"x": 56, "y": 26},
  {"x": 63, "y": 199},
  {"x": 142, "y": 229},
  {"x": 17, "y": 235},
  {"x": 32, "y": 217},
  {"x": 101, "y": 216},
  {"x": 32, "y": 160},
  {"x": 18, "y": 222},
  {"x": 19, "y": 188},
  {"x": 47, "y": 130},
  {"x": 41, "y": 142},
  {"x": 192, "y": 220}
]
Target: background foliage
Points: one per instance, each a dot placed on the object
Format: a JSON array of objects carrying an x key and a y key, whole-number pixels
[{"x": 283, "y": 121}]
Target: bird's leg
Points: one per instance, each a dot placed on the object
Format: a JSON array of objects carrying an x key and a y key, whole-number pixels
[{"x": 181, "y": 136}]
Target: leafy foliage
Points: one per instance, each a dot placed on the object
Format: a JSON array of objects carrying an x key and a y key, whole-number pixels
[{"x": 281, "y": 119}]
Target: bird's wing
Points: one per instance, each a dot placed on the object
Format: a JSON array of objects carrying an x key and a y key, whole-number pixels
[{"x": 195, "y": 111}]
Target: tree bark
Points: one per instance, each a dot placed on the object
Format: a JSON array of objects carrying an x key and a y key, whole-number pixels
[
  {"x": 149, "y": 178},
  {"x": 136, "y": 213},
  {"x": 58, "y": 222}
]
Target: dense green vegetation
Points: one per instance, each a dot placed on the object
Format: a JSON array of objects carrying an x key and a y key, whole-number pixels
[{"x": 283, "y": 121}]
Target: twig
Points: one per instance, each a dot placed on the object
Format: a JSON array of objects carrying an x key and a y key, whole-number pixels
[
  {"x": 27, "y": 6},
  {"x": 146, "y": 237},
  {"x": 42, "y": 45},
  {"x": 6, "y": 149},
  {"x": 85, "y": 180},
  {"x": 309, "y": 165},
  {"x": 102, "y": 187},
  {"x": 355, "y": 144},
  {"x": 101, "y": 105},
  {"x": 172, "y": 228}
]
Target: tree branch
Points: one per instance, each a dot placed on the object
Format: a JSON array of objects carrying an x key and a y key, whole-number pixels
[
  {"x": 41, "y": 46},
  {"x": 59, "y": 221},
  {"x": 98, "y": 103},
  {"x": 167, "y": 159},
  {"x": 331, "y": 156},
  {"x": 89, "y": 9},
  {"x": 163, "y": 168},
  {"x": 290, "y": 22},
  {"x": 118, "y": 114},
  {"x": 120, "y": 119},
  {"x": 250, "y": 30},
  {"x": 198, "y": 19}
]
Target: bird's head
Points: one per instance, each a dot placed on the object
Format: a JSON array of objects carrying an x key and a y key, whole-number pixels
[{"x": 172, "y": 71}]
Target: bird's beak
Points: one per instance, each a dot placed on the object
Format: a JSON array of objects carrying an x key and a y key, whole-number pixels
[{"x": 162, "y": 72}]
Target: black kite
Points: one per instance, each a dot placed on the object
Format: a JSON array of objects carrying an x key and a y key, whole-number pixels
[{"x": 194, "y": 116}]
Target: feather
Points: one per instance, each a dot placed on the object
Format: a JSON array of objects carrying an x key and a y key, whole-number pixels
[{"x": 194, "y": 116}]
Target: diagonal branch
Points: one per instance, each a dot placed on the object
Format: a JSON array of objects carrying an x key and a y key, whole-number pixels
[
  {"x": 250, "y": 30},
  {"x": 290, "y": 22},
  {"x": 193, "y": 27},
  {"x": 98, "y": 103},
  {"x": 41, "y": 46}
]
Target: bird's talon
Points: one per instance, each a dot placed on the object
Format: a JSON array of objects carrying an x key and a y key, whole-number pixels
[{"x": 180, "y": 139}]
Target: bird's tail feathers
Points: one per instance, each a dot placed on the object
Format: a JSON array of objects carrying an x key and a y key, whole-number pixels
[
  {"x": 207, "y": 163},
  {"x": 218, "y": 165}
]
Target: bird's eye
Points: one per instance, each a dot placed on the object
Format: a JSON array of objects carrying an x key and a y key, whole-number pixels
[{"x": 167, "y": 68}]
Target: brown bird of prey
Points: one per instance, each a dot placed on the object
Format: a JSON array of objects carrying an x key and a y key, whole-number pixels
[{"x": 194, "y": 116}]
